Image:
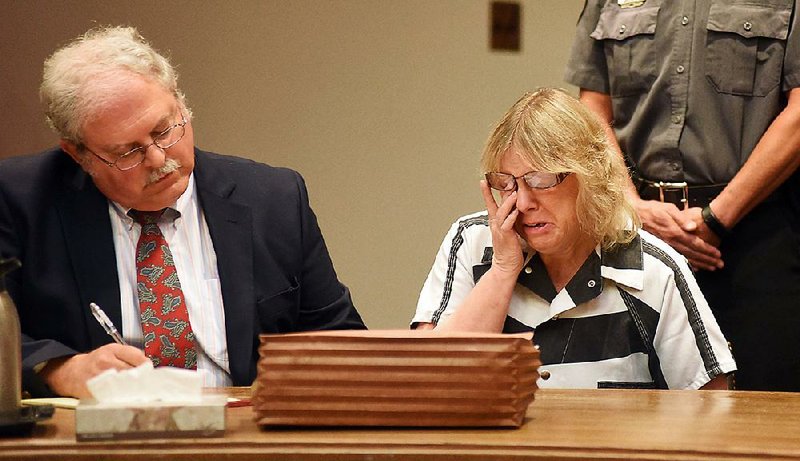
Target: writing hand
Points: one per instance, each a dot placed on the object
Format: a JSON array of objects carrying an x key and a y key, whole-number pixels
[{"x": 67, "y": 376}]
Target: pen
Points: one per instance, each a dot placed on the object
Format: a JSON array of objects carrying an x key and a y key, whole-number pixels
[{"x": 105, "y": 322}]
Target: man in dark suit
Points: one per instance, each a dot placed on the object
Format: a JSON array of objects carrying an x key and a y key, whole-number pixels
[{"x": 247, "y": 248}]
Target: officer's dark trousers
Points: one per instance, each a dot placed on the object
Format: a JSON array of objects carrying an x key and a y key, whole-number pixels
[{"x": 756, "y": 297}]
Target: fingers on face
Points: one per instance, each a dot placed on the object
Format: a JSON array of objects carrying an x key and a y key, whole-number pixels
[
  {"x": 504, "y": 215},
  {"x": 511, "y": 219},
  {"x": 507, "y": 207},
  {"x": 488, "y": 198}
]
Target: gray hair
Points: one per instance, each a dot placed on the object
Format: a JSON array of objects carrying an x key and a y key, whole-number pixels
[
  {"x": 554, "y": 132},
  {"x": 80, "y": 77}
]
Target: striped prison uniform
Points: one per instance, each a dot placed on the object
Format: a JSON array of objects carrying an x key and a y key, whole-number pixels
[{"x": 631, "y": 317}]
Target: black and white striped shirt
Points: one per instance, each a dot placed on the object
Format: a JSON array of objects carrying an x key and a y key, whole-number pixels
[{"x": 630, "y": 317}]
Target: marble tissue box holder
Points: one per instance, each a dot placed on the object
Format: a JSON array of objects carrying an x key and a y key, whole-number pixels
[{"x": 149, "y": 403}]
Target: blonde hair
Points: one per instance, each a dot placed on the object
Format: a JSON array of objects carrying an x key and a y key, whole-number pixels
[
  {"x": 81, "y": 77},
  {"x": 555, "y": 133}
]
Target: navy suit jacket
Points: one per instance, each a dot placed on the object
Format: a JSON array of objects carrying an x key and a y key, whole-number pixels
[{"x": 275, "y": 272}]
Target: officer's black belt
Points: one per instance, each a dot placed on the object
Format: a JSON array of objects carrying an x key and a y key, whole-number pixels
[{"x": 681, "y": 194}]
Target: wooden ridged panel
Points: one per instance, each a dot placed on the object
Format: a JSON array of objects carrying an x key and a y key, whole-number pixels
[{"x": 394, "y": 378}]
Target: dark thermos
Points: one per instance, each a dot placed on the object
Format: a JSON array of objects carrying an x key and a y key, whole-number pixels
[{"x": 10, "y": 349}]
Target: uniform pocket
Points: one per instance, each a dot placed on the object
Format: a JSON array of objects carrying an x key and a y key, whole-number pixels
[
  {"x": 745, "y": 47},
  {"x": 277, "y": 313},
  {"x": 628, "y": 41}
]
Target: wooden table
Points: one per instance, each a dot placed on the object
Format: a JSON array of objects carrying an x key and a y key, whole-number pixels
[{"x": 561, "y": 424}]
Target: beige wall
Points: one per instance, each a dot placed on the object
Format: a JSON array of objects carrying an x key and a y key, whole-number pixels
[{"x": 382, "y": 105}]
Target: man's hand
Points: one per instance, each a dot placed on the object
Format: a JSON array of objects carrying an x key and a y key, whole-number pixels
[
  {"x": 682, "y": 230},
  {"x": 67, "y": 376},
  {"x": 703, "y": 231}
]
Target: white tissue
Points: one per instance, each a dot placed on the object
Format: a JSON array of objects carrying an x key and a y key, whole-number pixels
[{"x": 146, "y": 384}]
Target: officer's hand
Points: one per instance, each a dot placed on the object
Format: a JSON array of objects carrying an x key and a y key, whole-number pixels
[
  {"x": 702, "y": 230},
  {"x": 681, "y": 231}
]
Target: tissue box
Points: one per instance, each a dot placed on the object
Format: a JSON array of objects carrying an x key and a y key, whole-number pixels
[{"x": 107, "y": 421}]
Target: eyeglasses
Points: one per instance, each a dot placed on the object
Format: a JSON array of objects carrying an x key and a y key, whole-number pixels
[
  {"x": 534, "y": 179},
  {"x": 135, "y": 156}
]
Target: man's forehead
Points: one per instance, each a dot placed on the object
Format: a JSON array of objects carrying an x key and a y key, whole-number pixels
[{"x": 134, "y": 110}]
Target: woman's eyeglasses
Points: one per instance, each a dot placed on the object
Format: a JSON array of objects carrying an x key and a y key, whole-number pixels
[{"x": 534, "y": 179}]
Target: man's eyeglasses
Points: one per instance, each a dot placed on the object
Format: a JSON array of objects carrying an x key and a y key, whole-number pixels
[
  {"x": 135, "y": 156},
  {"x": 534, "y": 179}
]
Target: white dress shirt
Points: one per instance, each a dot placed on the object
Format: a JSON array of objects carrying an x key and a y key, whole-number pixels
[{"x": 196, "y": 262}]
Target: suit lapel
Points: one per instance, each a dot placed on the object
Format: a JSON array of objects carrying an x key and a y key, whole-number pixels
[
  {"x": 230, "y": 226},
  {"x": 88, "y": 237}
]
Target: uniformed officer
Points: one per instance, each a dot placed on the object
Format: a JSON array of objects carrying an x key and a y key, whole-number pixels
[{"x": 702, "y": 97}]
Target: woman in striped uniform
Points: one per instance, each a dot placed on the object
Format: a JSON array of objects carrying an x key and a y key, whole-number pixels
[{"x": 563, "y": 254}]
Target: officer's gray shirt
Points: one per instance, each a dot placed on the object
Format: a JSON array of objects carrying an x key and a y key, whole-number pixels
[{"x": 694, "y": 84}]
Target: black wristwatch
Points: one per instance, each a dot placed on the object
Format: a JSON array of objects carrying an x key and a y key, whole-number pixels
[{"x": 713, "y": 223}]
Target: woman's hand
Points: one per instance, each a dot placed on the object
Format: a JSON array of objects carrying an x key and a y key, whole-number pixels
[
  {"x": 507, "y": 257},
  {"x": 486, "y": 307}
]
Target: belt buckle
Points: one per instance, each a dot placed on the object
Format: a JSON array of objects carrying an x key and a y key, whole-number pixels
[{"x": 682, "y": 186}]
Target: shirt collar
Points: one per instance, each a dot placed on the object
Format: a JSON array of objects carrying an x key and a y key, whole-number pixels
[
  {"x": 181, "y": 205},
  {"x": 622, "y": 264}
]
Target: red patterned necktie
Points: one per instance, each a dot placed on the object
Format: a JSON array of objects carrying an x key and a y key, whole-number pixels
[{"x": 168, "y": 336}]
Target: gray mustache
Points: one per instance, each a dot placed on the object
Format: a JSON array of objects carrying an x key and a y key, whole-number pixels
[{"x": 169, "y": 166}]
